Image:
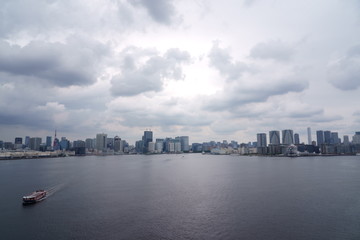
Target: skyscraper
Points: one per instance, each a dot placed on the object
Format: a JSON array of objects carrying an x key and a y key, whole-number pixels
[
  {"x": 34, "y": 143},
  {"x": 148, "y": 137},
  {"x": 297, "y": 138},
  {"x": 48, "y": 141},
  {"x": 101, "y": 140},
  {"x": 274, "y": 137},
  {"x": 320, "y": 137},
  {"x": 327, "y": 137},
  {"x": 261, "y": 140},
  {"x": 309, "y": 135},
  {"x": 287, "y": 136},
  {"x": 18, "y": 140},
  {"x": 334, "y": 138}
]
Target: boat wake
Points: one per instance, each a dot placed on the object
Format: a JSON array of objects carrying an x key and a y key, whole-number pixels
[{"x": 53, "y": 189}]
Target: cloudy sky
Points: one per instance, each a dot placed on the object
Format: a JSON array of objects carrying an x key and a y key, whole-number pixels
[{"x": 209, "y": 69}]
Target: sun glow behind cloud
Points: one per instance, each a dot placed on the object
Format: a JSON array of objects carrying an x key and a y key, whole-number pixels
[{"x": 208, "y": 69}]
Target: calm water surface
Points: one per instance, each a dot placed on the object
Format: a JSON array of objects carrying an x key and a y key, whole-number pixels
[{"x": 190, "y": 196}]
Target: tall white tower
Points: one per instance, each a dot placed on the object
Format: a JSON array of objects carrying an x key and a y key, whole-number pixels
[{"x": 309, "y": 135}]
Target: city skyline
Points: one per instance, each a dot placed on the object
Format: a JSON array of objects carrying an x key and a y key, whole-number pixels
[
  {"x": 271, "y": 137},
  {"x": 206, "y": 69}
]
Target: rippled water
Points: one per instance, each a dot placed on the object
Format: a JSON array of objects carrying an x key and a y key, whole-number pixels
[{"x": 190, "y": 196}]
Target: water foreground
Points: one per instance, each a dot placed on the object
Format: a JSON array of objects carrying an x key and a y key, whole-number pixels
[{"x": 190, "y": 196}]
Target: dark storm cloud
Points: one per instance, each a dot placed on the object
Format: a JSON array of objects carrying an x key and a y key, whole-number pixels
[
  {"x": 344, "y": 74},
  {"x": 275, "y": 50},
  {"x": 222, "y": 61},
  {"x": 162, "y": 11},
  {"x": 58, "y": 64},
  {"x": 143, "y": 71}
]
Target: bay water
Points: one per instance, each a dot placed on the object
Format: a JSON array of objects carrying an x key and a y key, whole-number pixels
[{"x": 182, "y": 196}]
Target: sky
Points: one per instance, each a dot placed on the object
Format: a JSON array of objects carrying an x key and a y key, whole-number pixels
[{"x": 208, "y": 69}]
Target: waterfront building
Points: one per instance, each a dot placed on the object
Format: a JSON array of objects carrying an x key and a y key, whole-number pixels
[
  {"x": 148, "y": 137},
  {"x": 184, "y": 141},
  {"x": 90, "y": 143},
  {"x": 334, "y": 138},
  {"x": 79, "y": 147},
  {"x": 18, "y": 143},
  {"x": 170, "y": 146},
  {"x": 48, "y": 142},
  {"x": 34, "y": 143},
  {"x": 274, "y": 137},
  {"x": 117, "y": 144},
  {"x": 159, "y": 145},
  {"x": 18, "y": 140},
  {"x": 139, "y": 146},
  {"x": 297, "y": 138},
  {"x": 261, "y": 143},
  {"x": 177, "y": 146},
  {"x": 320, "y": 137},
  {"x": 27, "y": 141},
  {"x": 309, "y": 136},
  {"x": 327, "y": 137},
  {"x": 261, "y": 140},
  {"x": 101, "y": 141},
  {"x": 110, "y": 143},
  {"x": 356, "y": 138},
  {"x": 151, "y": 147},
  {"x": 64, "y": 144},
  {"x": 346, "y": 140},
  {"x": 287, "y": 137}
]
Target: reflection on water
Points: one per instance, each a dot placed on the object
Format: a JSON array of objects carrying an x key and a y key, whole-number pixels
[{"x": 185, "y": 196}]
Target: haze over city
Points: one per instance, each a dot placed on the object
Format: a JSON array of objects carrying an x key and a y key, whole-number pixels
[{"x": 211, "y": 70}]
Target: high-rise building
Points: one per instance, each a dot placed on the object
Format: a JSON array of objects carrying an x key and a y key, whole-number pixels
[
  {"x": 320, "y": 137},
  {"x": 346, "y": 140},
  {"x": 101, "y": 141},
  {"x": 90, "y": 143},
  {"x": 287, "y": 136},
  {"x": 117, "y": 144},
  {"x": 34, "y": 143},
  {"x": 184, "y": 141},
  {"x": 151, "y": 148},
  {"x": 18, "y": 140},
  {"x": 27, "y": 141},
  {"x": 64, "y": 144},
  {"x": 261, "y": 140},
  {"x": 334, "y": 138},
  {"x": 110, "y": 143},
  {"x": 309, "y": 135},
  {"x": 148, "y": 137},
  {"x": 356, "y": 138},
  {"x": 274, "y": 137},
  {"x": 327, "y": 137},
  {"x": 48, "y": 141},
  {"x": 297, "y": 138}
]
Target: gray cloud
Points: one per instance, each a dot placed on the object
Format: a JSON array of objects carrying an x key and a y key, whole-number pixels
[
  {"x": 162, "y": 11},
  {"x": 143, "y": 71},
  {"x": 222, "y": 61},
  {"x": 275, "y": 50},
  {"x": 239, "y": 95},
  {"x": 58, "y": 64},
  {"x": 54, "y": 18},
  {"x": 344, "y": 74}
]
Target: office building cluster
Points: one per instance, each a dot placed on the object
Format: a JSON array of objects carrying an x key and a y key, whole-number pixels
[
  {"x": 327, "y": 142},
  {"x": 275, "y": 143},
  {"x": 147, "y": 145}
]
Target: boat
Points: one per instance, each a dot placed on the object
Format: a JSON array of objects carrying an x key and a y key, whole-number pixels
[{"x": 35, "y": 197}]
